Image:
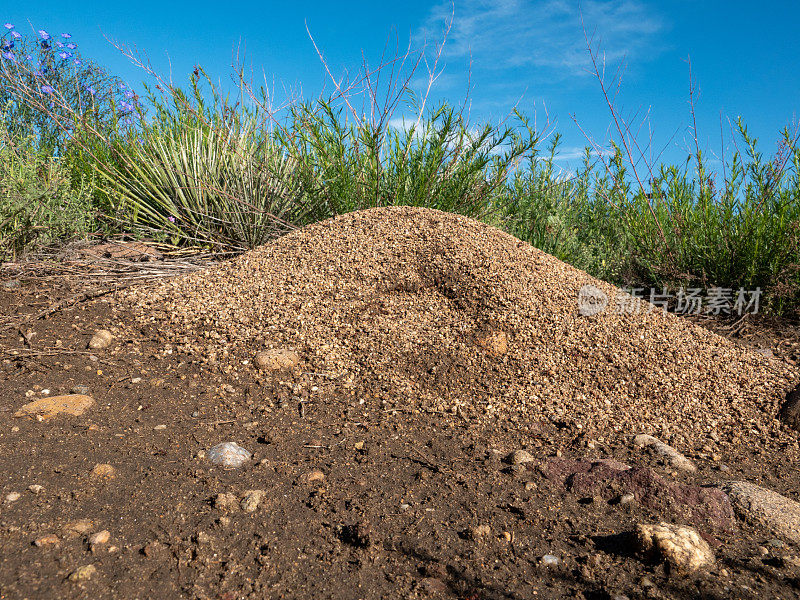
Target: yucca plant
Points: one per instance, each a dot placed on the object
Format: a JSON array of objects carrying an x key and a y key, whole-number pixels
[{"x": 205, "y": 175}]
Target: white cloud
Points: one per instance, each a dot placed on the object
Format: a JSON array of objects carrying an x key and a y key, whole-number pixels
[
  {"x": 575, "y": 153},
  {"x": 513, "y": 34}
]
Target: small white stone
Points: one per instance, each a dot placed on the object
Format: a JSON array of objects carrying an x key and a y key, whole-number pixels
[
  {"x": 229, "y": 455},
  {"x": 35, "y": 488},
  {"x": 551, "y": 560},
  {"x": 13, "y": 496},
  {"x": 159, "y": 427}
]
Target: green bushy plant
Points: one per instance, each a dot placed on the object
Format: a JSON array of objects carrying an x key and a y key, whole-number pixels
[{"x": 39, "y": 204}]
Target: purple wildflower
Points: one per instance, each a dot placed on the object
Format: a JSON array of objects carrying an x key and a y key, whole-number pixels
[
  {"x": 129, "y": 94},
  {"x": 8, "y": 26},
  {"x": 9, "y": 56},
  {"x": 72, "y": 46},
  {"x": 47, "y": 89},
  {"x": 77, "y": 62},
  {"x": 171, "y": 219},
  {"x": 60, "y": 44},
  {"x": 64, "y": 55},
  {"x": 66, "y": 36},
  {"x": 16, "y": 35},
  {"x": 43, "y": 34},
  {"x": 91, "y": 90}
]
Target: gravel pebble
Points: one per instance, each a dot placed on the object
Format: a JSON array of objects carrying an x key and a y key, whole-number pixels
[
  {"x": 46, "y": 540},
  {"x": 251, "y": 500},
  {"x": 226, "y": 501},
  {"x": 100, "y": 537},
  {"x": 520, "y": 457},
  {"x": 276, "y": 360},
  {"x": 101, "y": 339},
  {"x": 104, "y": 471},
  {"x": 480, "y": 532}
]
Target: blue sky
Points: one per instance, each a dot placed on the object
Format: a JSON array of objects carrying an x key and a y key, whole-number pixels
[{"x": 745, "y": 57}]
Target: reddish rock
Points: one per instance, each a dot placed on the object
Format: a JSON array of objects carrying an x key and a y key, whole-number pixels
[{"x": 705, "y": 507}]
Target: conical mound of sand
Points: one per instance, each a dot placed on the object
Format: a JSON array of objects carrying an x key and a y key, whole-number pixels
[{"x": 417, "y": 308}]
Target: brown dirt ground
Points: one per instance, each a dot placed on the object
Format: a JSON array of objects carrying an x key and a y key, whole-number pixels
[{"x": 403, "y": 486}]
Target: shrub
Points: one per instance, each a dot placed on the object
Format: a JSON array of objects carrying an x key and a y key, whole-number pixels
[{"x": 39, "y": 205}]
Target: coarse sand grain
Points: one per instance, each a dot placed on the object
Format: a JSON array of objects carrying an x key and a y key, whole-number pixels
[{"x": 397, "y": 304}]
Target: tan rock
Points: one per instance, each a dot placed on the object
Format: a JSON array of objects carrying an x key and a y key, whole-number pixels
[
  {"x": 101, "y": 339},
  {"x": 50, "y": 539},
  {"x": 83, "y": 573},
  {"x": 278, "y": 359},
  {"x": 79, "y": 527},
  {"x": 480, "y": 532},
  {"x": 226, "y": 501},
  {"x": 313, "y": 476},
  {"x": 251, "y": 500},
  {"x": 104, "y": 471},
  {"x": 494, "y": 342},
  {"x": 99, "y": 538},
  {"x": 681, "y": 547},
  {"x": 520, "y": 457},
  {"x": 672, "y": 456},
  {"x": 46, "y": 408}
]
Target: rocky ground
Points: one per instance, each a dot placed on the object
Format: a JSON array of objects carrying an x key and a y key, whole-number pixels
[{"x": 348, "y": 490}]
